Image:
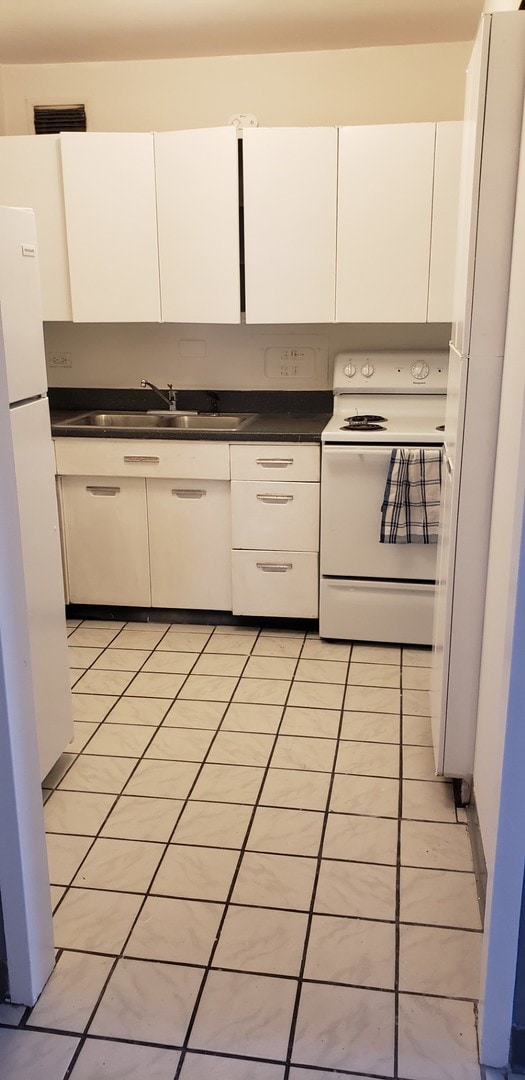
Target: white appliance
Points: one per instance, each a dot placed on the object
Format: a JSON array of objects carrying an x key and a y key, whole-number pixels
[
  {"x": 371, "y": 591},
  {"x": 490, "y": 158},
  {"x": 22, "y": 354}
]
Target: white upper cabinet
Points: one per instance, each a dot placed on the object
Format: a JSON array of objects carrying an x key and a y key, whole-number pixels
[
  {"x": 444, "y": 220},
  {"x": 384, "y": 222},
  {"x": 109, "y": 191},
  {"x": 31, "y": 175},
  {"x": 198, "y": 225},
  {"x": 290, "y": 192}
]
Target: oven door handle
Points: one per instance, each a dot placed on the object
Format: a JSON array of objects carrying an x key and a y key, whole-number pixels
[
  {"x": 338, "y": 449},
  {"x": 370, "y": 451}
]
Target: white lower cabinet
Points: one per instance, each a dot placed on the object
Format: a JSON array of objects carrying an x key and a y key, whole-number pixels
[
  {"x": 275, "y": 530},
  {"x": 169, "y": 536},
  {"x": 159, "y": 537},
  {"x": 190, "y": 541},
  {"x": 105, "y": 540}
]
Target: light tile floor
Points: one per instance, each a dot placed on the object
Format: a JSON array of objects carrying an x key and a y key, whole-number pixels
[{"x": 255, "y": 873}]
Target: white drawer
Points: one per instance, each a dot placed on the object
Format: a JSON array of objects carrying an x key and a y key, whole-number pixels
[
  {"x": 275, "y": 516},
  {"x": 142, "y": 457},
  {"x": 275, "y": 461},
  {"x": 275, "y": 583},
  {"x": 376, "y": 611}
]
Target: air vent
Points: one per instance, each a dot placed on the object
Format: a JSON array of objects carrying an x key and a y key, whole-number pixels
[{"x": 52, "y": 118}]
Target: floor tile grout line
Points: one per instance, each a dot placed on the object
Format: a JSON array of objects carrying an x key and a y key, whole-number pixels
[
  {"x": 145, "y": 895},
  {"x": 156, "y": 728},
  {"x": 257, "y": 801},
  {"x": 114, "y": 804},
  {"x": 233, "y": 882},
  {"x": 300, "y": 978},
  {"x": 398, "y": 880},
  {"x": 118, "y": 697}
]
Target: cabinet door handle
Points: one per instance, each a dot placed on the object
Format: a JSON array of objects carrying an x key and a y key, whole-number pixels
[
  {"x": 96, "y": 489},
  {"x": 274, "y": 463},
  {"x": 144, "y": 459},
  {"x": 188, "y": 493},
  {"x": 274, "y": 568},
  {"x": 270, "y": 498}
]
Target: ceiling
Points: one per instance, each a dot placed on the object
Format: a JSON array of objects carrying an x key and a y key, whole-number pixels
[{"x": 61, "y": 31}]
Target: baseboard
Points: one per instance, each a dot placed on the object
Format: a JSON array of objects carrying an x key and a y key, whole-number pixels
[
  {"x": 517, "y": 1049},
  {"x": 187, "y": 615},
  {"x": 478, "y": 855},
  {"x": 4, "y": 981}
]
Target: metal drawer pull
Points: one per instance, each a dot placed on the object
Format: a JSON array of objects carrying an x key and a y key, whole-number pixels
[
  {"x": 145, "y": 459},
  {"x": 188, "y": 493},
  {"x": 270, "y": 498},
  {"x": 96, "y": 490},
  {"x": 274, "y": 567},
  {"x": 275, "y": 463}
]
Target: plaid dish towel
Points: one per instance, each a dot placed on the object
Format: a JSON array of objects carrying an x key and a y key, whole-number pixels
[{"x": 410, "y": 509}]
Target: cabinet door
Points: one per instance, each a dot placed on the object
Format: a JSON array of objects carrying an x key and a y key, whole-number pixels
[
  {"x": 445, "y": 204},
  {"x": 31, "y": 175},
  {"x": 106, "y": 540},
  {"x": 190, "y": 542},
  {"x": 197, "y": 182},
  {"x": 384, "y": 222},
  {"x": 109, "y": 190},
  {"x": 290, "y": 183}
]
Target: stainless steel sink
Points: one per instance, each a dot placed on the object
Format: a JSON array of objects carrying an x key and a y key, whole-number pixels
[
  {"x": 208, "y": 421},
  {"x": 168, "y": 421}
]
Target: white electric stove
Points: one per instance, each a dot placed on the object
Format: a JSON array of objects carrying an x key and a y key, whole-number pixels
[{"x": 371, "y": 591}]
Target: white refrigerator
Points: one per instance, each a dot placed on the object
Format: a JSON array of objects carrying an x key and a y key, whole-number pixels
[
  {"x": 490, "y": 159},
  {"x": 22, "y": 354}
]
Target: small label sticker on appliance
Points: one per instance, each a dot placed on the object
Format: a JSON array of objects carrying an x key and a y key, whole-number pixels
[{"x": 29, "y": 251}]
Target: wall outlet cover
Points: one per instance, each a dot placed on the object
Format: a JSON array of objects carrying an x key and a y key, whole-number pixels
[
  {"x": 59, "y": 359},
  {"x": 192, "y": 349},
  {"x": 289, "y": 362}
]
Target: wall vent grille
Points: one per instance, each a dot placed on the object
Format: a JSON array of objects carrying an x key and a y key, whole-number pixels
[{"x": 49, "y": 119}]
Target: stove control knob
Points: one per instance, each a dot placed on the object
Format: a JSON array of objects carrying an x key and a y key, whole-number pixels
[
  {"x": 367, "y": 370},
  {"x": 420, "y": 371},
  {"x": 349, "y": 370}
]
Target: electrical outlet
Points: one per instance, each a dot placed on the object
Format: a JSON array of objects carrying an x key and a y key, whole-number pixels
[
  {"x": 289, "y": 362},
  {"x": 59, "y": 359}
]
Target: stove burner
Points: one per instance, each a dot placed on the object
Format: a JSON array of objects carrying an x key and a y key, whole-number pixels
[
  {"x": 364, "y": 422},
  {"x": 365, "y": 418}
]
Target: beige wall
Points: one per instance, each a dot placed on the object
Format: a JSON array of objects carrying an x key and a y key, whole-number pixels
[
  {"x": 222, "y": 357},
  {"x": 2, "y": 108},
  {"x": 348, "y": 86}
]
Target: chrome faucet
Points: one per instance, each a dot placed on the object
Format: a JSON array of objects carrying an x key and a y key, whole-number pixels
[{"x": 170, "y": 399}]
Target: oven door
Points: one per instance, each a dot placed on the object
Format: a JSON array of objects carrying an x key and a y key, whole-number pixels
[{"x": 352, "y": 490}]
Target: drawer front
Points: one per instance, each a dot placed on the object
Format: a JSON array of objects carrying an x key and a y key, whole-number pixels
[
  {"x": 275, "y": 461},
  {"x": 376, "y": 611},
  {"x": 142, "y": 457},
  {"x": 275, "y": 516},
  {"x": 275, "y": 583}
]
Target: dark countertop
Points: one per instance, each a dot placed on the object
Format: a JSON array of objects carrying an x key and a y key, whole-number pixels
[
  {"x": 270, "y": 428},
  {"x": 279, "y": 416}
]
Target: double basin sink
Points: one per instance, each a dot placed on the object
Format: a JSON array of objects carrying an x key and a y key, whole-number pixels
[{"x": 168, "y": 421}]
